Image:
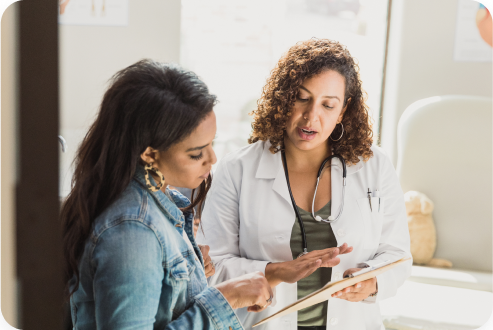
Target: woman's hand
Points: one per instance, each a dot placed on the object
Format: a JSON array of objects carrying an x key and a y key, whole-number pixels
[
  {"x": 208, "y": 265},
  {"x": 250, "y": 290},
  {"x": 295, "y": 270},
  {"x": 359, "y": 291}
]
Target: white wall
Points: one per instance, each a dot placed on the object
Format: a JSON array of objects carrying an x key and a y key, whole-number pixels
[
  {"x": 90, "y": 55},
  {"x": 421, "y": 64},
  {"x": 8, "y": 160}
]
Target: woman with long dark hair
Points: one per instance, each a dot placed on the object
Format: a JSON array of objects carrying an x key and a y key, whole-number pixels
[{"x": 131, "y": 257}]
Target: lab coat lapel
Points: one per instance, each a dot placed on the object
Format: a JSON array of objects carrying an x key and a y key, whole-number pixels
[
  {"x": 270, "y": 167},
  {"x": 336, "y": 186},
  {"x": 280, "y": 185}
]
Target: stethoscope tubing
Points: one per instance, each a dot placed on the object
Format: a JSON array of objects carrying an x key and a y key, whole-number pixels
[
  {"x": 329, "y": 220},
  {"x": 343, "y": 162},
  {"x": 293, "y": 202}
]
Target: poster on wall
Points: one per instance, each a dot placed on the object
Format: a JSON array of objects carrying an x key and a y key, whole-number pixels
[
  {"x": 473, "y": 33},
  {"x": 93, "y": 12}
]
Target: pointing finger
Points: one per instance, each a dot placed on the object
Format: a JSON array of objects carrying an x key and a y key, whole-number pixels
[
  {"x": 348, "y": 250},
  {"x": 344, "y": 248},
  {"x": 321, "y": 253}
]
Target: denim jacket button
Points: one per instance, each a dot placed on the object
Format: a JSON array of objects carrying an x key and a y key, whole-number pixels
[{"x": 178, "y": 225}]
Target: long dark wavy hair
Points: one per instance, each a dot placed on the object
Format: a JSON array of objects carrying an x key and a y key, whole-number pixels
[{"x": 148, "y": 104}]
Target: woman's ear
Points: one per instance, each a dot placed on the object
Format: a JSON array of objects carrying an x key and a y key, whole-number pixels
[{"x": 150, "y": 155}]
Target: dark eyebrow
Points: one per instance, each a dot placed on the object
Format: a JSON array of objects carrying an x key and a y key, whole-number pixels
[
  {"x": 197, "y": 148},
  {"x": 329, "y": 97}
]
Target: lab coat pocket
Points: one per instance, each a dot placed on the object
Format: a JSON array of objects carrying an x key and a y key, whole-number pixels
[{"x": 372, "y": 219}]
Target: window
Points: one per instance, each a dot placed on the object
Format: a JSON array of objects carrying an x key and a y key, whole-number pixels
[{"x": 233, "y": 46}]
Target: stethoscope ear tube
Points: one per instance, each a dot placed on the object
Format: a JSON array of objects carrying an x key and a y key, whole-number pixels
[
  {"x": 317, "y": 218},
  {"x": 343, "y": 162}
]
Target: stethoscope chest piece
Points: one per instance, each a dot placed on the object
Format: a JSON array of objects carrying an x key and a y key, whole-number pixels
[
  {"x": 302, "y": 254},
  {"x": 320, "y": 219}
]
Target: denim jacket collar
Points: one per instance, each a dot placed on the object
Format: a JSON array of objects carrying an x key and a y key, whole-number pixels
[{"x": 169, "y": 207}]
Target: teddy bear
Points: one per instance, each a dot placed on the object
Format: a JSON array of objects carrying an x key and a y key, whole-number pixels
[{"x": 422, "y": 230}]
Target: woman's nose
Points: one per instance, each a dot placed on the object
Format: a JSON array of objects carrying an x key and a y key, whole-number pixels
[
  {"x": 212, "y": 157},
  {"x": 310, "y": 112}
]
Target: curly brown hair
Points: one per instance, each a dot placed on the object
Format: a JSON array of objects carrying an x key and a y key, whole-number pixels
[{"x": 302, "y": 61}]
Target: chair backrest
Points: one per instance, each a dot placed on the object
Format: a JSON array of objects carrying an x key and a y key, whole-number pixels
[{"x": 445, "y": 151}]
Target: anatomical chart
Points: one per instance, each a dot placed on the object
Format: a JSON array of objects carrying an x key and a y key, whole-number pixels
[{"x": 472, "y": 44}]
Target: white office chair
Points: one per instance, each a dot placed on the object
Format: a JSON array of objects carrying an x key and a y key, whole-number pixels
[{"x": 445, "y": 151}]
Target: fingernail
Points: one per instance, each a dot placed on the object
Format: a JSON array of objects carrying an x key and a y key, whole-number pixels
[{"x": 358, "y": 285}]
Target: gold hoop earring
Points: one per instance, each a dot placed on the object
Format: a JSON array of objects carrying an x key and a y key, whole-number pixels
[
  {"x": 342, "y": 133},
  {"x": 152, "y": 188}
]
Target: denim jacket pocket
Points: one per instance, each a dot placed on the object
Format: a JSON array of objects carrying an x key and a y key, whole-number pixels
[
  {"x": 180, "y": 271},
  {"x": 197, "y": 275},
  {"x": 180, "y": 283}
]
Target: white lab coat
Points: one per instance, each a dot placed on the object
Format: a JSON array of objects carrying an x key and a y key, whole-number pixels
[{"x": 248, "y": 218}]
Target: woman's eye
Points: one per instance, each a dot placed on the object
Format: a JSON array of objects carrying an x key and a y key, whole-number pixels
[
  {"x": 328, "y": 106},
  {"x": 302, "y": 99},
  {"x": 197, "y": 157}
]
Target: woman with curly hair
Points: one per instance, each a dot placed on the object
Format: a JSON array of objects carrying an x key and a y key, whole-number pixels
[{"x": 268, "y": 210}]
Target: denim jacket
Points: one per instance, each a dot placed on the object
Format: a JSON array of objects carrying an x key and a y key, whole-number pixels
[{"x": 138, "y": 272}]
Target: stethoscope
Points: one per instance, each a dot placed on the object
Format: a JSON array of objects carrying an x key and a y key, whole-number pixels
[{"x": 318, "y": 218}]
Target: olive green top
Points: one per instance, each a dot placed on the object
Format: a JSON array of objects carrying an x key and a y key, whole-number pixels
[{"x": 319, "y": 236}]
